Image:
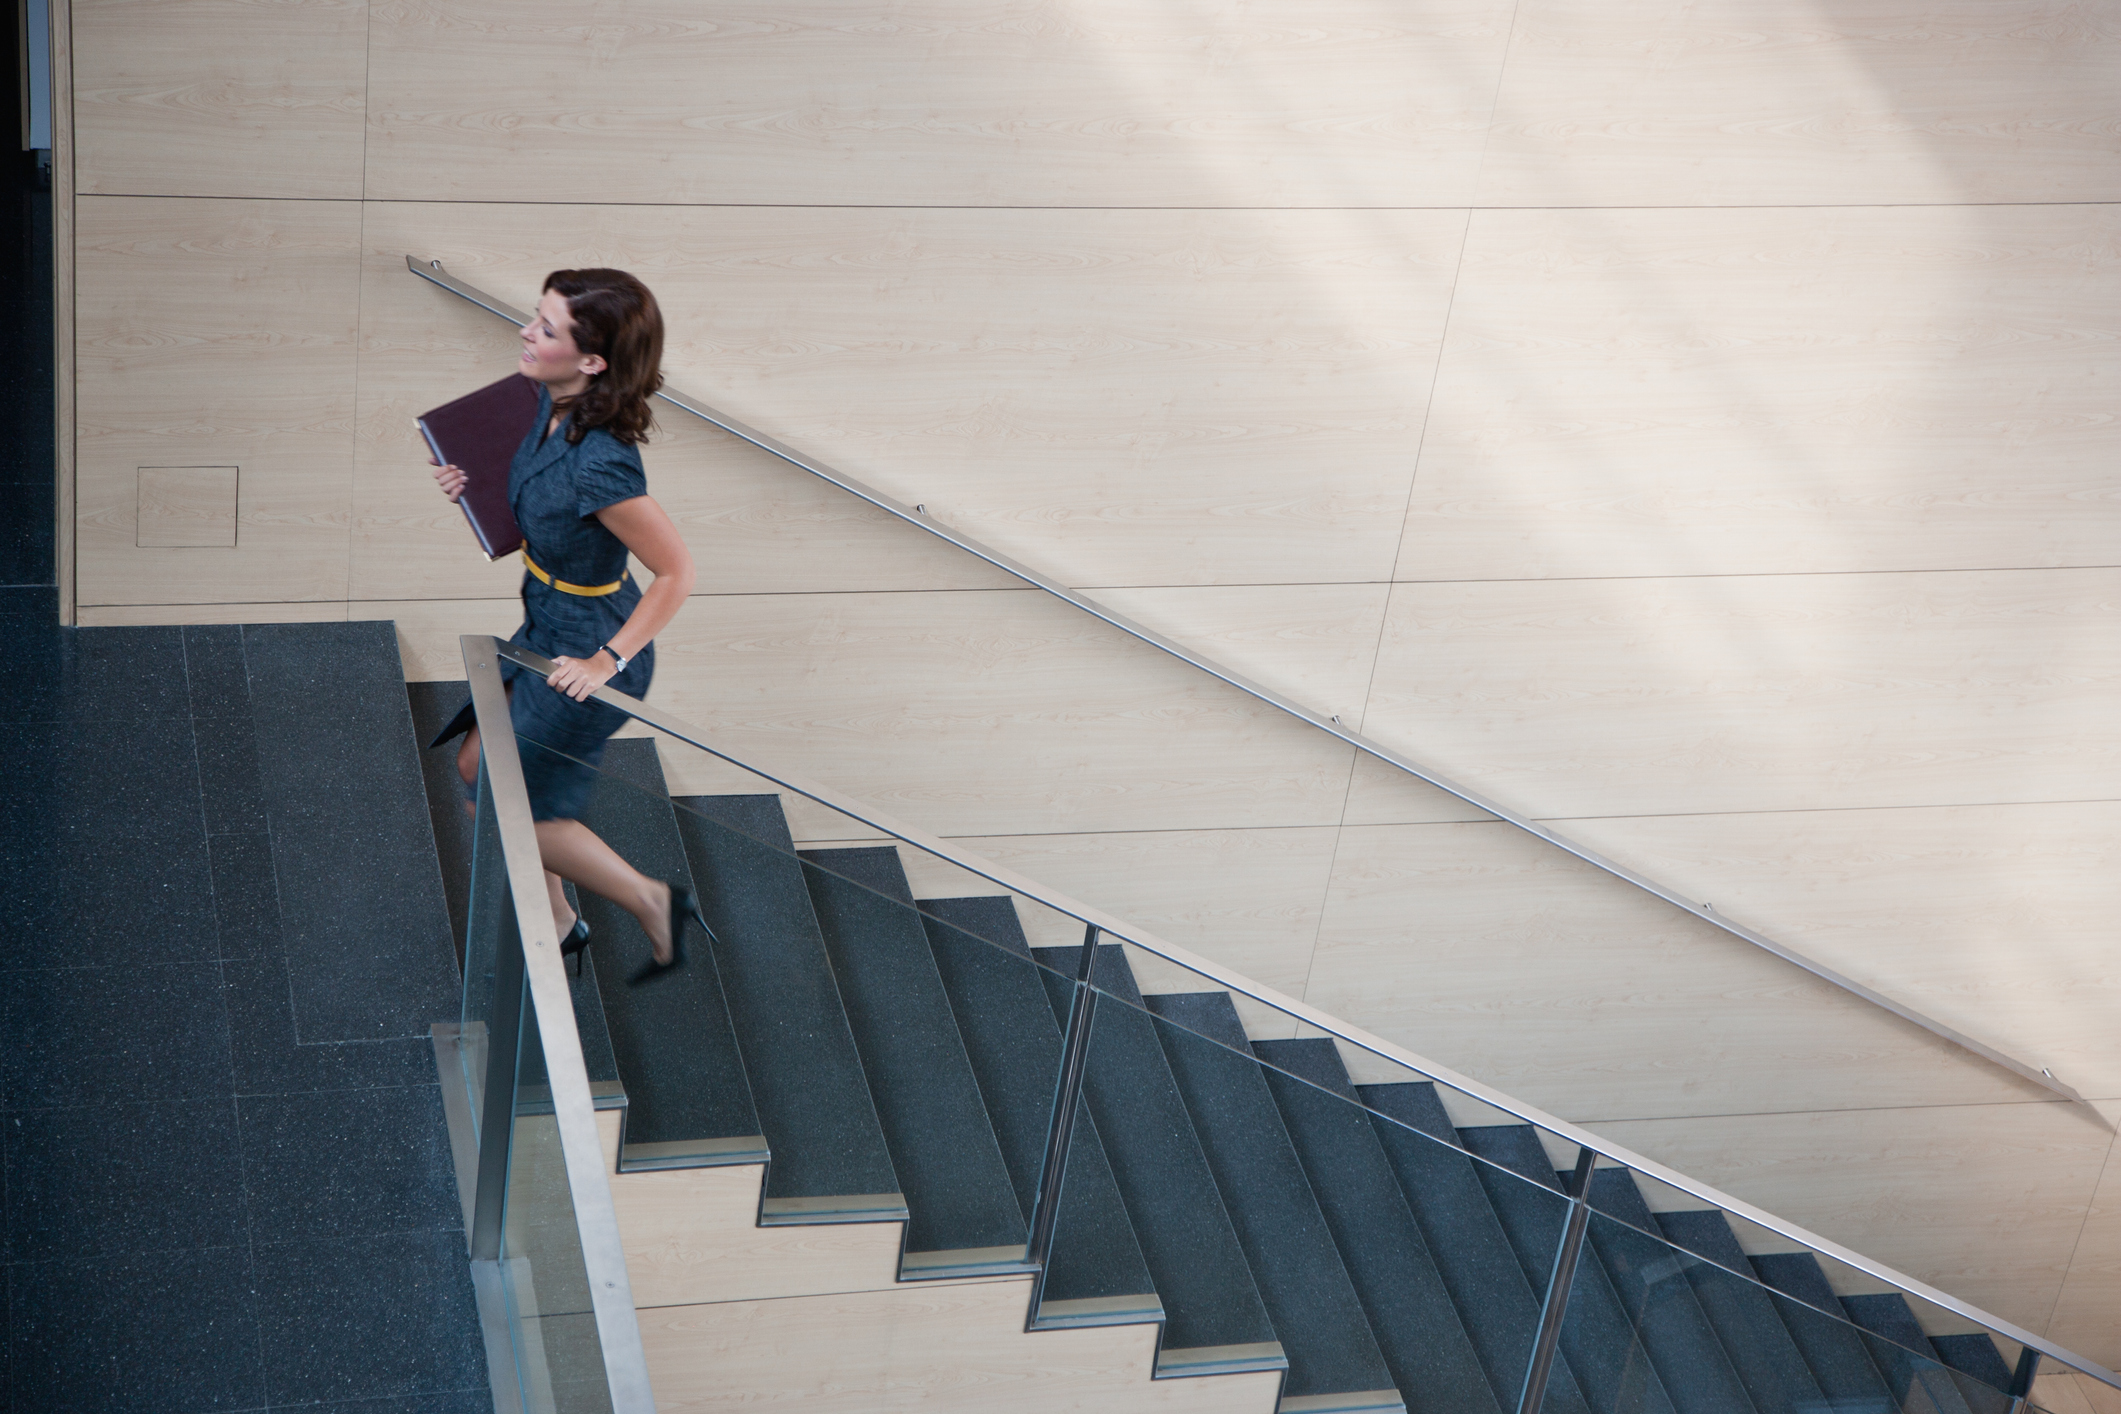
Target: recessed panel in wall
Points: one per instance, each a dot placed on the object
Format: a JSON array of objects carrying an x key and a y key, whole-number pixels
[
  {"x": 220, "y": 97},
  {"x": 1343, "y": 103},
  {"x": 187, "y": 507},
  {"x": 217, "y": 334}
]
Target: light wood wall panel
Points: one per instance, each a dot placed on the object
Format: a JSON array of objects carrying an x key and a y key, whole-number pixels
[
  {"x": 1806, "y": 102},
  {"x": 1983, "y": 1201},
  {"x": 258, "y": 98},
  {"x": 1996, "y": 919},
  {"x": 977, "y": 712},
  {"x": 1341, "y": 103},
  {"x": 926, "y": 1346},
  {"x": 1778, "y": 692},
  {"x": 1500, "y": 956},
  {"x": 1691, "y": 391},
  {"x": 217, "y": 333},
  {"x": 1248, "y": 899},
  {"x": 2088, "y": 1312},
  {"x": 1119, "y": 397}
]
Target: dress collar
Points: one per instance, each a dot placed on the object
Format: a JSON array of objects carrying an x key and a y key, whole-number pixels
[{"x": 554, "y": 444}]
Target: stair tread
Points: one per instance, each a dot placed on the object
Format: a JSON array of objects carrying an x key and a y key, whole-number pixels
[
  {"x": 958, "y": 1194},
  {"x": 1096, "y": 1270},
  {"x": 1295, "y": 1263},
  {"x": 1480, "y": 1268},
  {"x": 363, "y": 919},
  {"x": 674, "y": 1042},
  {"x": 791, "y": 1027},
  {"x": 1652, "y": 1280},
  {"x": 1608, "y": 1359},
  {"x": 1186, "y": 1237},
  {"x": 1418, "y": 1328},
  {"x": 1742, "y": 1313},
  {"x": 1830, "y": 1344},
  {"x": 1974, "y": 1354}
]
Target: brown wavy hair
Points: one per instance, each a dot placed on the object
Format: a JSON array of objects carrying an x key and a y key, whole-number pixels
[{"x": 616, "y": 319}]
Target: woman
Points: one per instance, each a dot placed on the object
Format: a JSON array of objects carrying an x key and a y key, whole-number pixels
[{"x": 580, "y": 496}]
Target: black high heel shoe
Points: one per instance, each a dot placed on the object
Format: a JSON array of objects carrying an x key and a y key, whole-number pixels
[
  {"x": 575, "y": 944},
  {"x": 684, "y": 908}
]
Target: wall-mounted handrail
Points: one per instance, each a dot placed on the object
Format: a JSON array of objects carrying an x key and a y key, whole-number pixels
[
  {"x": 1097, "y": 922},
  {"x": 433, "y": 272}
]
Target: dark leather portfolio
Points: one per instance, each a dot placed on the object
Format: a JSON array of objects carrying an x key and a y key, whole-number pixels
[{"x": 479, "y": 434}]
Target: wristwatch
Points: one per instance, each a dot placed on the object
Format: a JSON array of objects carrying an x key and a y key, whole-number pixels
[{"x": 616, "y": 656}]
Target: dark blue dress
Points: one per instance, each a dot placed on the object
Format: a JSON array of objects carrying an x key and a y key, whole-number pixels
[{"x": 555, "y": 490}]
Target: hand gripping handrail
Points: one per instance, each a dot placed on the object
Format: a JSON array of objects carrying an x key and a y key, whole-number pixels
[
  {"x": 1104, "y": 923},
  {"x": 433, "y": 272}
]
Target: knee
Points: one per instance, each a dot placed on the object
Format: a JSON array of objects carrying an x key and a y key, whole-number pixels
[{"x": 468, "y": 758}]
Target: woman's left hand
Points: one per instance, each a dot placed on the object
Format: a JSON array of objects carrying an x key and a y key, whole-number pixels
[{"x": 578, "y": 677}]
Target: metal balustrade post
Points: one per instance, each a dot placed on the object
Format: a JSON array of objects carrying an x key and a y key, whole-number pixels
[
  {"x": 1548, "y": 1341},
  {"x": 2022, "y": 1379},
  {"x": 1067, "y": 1097}
]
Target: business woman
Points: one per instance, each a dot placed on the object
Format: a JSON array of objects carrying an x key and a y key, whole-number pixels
[{"x": 580, "y": 496}]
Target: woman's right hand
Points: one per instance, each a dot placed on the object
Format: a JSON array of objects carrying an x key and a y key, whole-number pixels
[{"x": 451, "y": 479}]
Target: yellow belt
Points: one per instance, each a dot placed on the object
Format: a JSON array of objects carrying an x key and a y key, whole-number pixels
[{"x": 587, "y": 591}]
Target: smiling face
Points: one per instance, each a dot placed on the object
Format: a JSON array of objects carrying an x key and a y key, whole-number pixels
[{"x": 549, "y": 352}]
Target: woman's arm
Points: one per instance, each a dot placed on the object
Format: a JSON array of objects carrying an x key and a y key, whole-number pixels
[{"x": 647, "y": 532}]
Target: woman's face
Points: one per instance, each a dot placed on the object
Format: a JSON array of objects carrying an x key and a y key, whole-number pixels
[{"x": 549, "y": 354}]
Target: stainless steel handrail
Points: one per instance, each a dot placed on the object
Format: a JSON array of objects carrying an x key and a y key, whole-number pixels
[
  {"x": 433, "y": 272},
  {"x": 1105, "y": 923},
  {"x": 552, "y": 1003}
]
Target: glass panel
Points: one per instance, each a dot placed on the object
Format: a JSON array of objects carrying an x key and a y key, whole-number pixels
[
  {"x": 559, "y": 1360},
  {"x": 484, "y": 929},
  {"x": 543, "y": 1279},
  {"x": 1792, "y": 1332},
  {"x": 891, "y": 1027},
  {"x": 1395, "y": 1237}
]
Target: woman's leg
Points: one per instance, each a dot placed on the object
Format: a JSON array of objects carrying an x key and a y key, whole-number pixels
[
  {"x": 573, "y": 852},
  {"x": 562, "y": 915}
]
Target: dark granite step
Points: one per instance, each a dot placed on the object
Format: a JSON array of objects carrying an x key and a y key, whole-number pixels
[
  {"x": 1652, "y": 1281},
  {"x": 1095, "y": 1274},
  {"x": 963, "y": 1217},
  {"x": 1974, "y": 1354},
  {"x": 830, "y": 1161},
  {"x": 1831, "y": 1345},
  {"x": 1607, "y": 1357},
  {"x": 433, "y": 704},
  {"x": 1214, "y": 1320},
  {"x": 688, "y": 1098},
  {"x": 1741, "y": 1311},
  {"x": 363, "y": 917},
  {"x": 1919, "y": 1380},
  {"x": 1424, "y": 1344},
  {"x": 1450, "y": 1204},
  {"x": 1334, "y": 1362}
]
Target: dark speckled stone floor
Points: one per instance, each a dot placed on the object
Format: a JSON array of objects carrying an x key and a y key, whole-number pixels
[{"x": 227, "y": 1176}]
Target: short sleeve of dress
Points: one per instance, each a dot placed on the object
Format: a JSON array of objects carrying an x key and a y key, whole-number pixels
[{"x": 608, "y": 472}]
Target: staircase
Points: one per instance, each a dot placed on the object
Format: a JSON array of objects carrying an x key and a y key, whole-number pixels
[{"x": 827, "y": 1134}]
